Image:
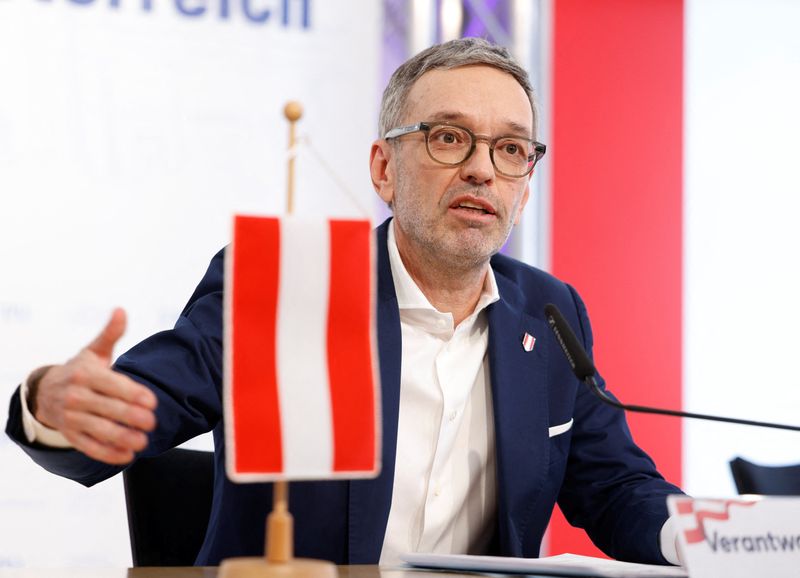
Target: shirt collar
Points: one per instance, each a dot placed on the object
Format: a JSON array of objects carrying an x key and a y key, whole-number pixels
[{"x": 410, "y": 296}]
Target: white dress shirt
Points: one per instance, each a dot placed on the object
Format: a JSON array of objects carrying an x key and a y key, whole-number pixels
[
  {"x": 443, "y": 497},
  {"x": 35, "y": 430}
]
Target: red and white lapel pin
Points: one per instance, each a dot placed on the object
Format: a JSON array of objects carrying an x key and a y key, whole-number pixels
[{"x": 528, "y": 341}]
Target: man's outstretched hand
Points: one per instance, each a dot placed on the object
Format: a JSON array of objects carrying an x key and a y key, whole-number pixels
[{"x": 102, "y": 413}]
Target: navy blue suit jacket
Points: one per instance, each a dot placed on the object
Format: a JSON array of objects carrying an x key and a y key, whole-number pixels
[{"x": 600, "y": 478}]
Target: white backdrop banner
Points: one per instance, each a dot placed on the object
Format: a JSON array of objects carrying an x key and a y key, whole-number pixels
[
  {"x": 130, "y": 131},
  {"x": 741, "y": 201}
]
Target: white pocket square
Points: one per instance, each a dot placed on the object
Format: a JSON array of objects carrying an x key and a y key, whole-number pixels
[{"x": 559, "y": 429}]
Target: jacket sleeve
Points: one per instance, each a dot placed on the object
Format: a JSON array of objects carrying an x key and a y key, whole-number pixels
[{"x": 612, "y": 488}]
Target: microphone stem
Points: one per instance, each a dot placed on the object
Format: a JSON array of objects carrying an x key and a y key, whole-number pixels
[{"x": 592, "y": 383}]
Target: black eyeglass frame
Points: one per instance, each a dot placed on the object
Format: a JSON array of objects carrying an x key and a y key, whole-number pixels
[{"x": 538, "y": 148}]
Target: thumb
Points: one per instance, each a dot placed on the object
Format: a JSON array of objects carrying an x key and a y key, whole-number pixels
[{"x": 103, "y": 344}]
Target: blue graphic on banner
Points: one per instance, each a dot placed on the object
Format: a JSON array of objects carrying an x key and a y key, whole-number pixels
[
  {"x": 12, "y": 312},
  {"x": 286, "y": 13}
]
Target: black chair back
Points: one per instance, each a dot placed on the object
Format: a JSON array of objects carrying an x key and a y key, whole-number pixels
[
  {"x": 169, "y": 501},
  {"x": 753, "y": 478}
]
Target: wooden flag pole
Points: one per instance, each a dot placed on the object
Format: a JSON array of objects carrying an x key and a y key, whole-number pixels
[
  {"x": 292, "y": 111},
  {"x": 279, "y": 560},
  {"x": 280, "y": 525}
]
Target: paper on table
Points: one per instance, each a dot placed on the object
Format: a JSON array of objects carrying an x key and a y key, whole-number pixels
[{"x": 562, "y": 565}]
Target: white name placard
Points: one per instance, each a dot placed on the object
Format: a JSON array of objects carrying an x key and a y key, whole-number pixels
[{"x": 743, "y": 537}]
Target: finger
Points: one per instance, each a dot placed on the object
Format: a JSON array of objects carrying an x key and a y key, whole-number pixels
[
  {"x": 82, "y": 399},
  {"x": 105, "y": 431},
  {"x": 103, "y": 344},
  {"x": 99, "y": 451},
  {"x": 117, "y": 385}
]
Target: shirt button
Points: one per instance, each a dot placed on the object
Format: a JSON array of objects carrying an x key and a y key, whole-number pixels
[{"x": 453, "y": 415}]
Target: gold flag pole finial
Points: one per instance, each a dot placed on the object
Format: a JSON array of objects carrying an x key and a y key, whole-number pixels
[{"x": 292, "y": 111}]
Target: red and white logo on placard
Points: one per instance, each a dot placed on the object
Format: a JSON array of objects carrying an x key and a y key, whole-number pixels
[
  {"x": 301, "y": 390},
  {"x": 688, "y": 507}
]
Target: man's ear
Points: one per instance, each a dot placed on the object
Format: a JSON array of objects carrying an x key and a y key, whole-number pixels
[
  {"x": 524, "y": 201},
  {"x": 380, "y": 170}
]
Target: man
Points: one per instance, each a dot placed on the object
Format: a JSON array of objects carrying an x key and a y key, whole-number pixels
[{"x": 483, "y": 430}]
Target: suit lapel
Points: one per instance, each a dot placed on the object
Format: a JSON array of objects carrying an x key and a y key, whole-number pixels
[
  {"x": 520, "y": 401},
  {"x": 370, "y": 500}
]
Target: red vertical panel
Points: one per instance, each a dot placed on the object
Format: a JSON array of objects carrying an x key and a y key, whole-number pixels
[
  {"x": 256, "y": 415},
  {"x": 617, "y": 203},
  {"x": 350, "y": 369}
]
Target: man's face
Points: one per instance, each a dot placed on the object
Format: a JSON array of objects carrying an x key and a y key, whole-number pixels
[{"x": 458, "y": 216}]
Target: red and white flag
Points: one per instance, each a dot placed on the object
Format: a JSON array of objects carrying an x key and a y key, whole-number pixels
[{"x": 301, "y": 387}]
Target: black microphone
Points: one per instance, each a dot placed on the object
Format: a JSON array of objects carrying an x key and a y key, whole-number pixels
[{"x": 584, "y": 370}]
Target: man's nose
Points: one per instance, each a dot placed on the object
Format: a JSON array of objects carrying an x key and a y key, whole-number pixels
[{"x": 478, "y": 168}]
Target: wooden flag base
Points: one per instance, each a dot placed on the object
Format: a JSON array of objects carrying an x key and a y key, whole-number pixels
[
  {"x": 256, "y": 567},
  {"x": 279, "y": 560}
]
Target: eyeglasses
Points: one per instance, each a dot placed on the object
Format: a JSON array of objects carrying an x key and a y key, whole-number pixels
[{"x": 448, "y": 144}]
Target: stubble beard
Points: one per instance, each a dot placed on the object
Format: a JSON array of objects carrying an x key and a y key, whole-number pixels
[{"x": 450, "y": 250}]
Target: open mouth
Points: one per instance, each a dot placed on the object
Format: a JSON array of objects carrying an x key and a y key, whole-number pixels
[{"x": 473, "y": 206}]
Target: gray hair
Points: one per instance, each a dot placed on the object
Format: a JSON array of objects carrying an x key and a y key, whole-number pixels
[{"x": 453, "y": 54}]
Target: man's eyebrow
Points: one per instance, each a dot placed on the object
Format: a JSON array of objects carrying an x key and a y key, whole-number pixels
[
  {"x": 445, "y": 116},
  {"x": 511, "y": 127}
]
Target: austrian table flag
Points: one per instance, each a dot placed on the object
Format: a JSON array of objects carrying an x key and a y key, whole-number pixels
[{"x": 301, "y": 387}]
